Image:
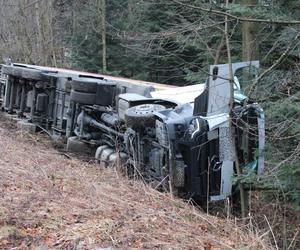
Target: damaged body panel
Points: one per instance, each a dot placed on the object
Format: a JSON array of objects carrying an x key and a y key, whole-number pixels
[{"x": 180, "y": 139}]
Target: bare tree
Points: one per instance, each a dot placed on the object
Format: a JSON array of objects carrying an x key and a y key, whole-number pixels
[
  {"x": 29, "y": 31},
  {"x": 103, "y": 34}
]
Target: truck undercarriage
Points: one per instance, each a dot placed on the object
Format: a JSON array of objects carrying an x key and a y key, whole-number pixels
[{"x": 180, "y": 139}]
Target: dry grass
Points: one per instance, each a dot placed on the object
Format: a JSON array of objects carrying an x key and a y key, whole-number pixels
[{"x": 49, "y": 201}]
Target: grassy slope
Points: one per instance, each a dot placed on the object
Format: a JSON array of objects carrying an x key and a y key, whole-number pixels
[{"x": 52, "y": 201}]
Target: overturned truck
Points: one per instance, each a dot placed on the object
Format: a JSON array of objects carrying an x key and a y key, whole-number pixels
[{"x": 178, "y": 138}]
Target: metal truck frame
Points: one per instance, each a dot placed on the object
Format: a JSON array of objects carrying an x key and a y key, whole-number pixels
[{"x": 182, "y": 139}]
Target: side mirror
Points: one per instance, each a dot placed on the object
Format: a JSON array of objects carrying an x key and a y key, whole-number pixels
[{"x": 215, "y": 73}]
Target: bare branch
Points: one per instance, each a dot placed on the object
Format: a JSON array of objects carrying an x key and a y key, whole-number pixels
[
  {"x": 242, "y": 19},
  {"x": 291, "y": 46}
]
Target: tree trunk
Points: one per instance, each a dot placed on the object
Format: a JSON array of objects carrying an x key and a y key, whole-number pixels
[
  {"x": 249, "y": 29},
  {"x": 231, "y": 76},
  {"x": 40, "y": 40},
  {"x": 103, "y": 34}
]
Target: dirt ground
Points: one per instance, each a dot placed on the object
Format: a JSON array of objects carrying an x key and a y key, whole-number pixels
[{"x": 49, "y": 200}]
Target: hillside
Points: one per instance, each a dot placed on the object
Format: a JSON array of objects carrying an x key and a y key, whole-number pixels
[{"x": 50, "y": 200}]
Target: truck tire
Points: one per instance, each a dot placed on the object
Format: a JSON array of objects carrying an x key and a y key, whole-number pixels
[
  {"x": 83, "y": 98},
  {"x": 26, "y": 73},
  {"x": 12, "y": 71},
  {"x": 85, "y": 86},
  {"x": 31, "y": 74},
  {"x": 142, "y": 115},
  {"x": 7, "y": 70},
  {"x": 75, "y": 145}
]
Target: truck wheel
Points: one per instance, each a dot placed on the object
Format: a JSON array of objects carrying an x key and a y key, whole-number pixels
[
  {"x": 31, "y": 74},
  {"x": 12, "y": 71},
  {"x": 84, "y": 85},
  {"x": 142, "y": 115},
  {"x": 83, "y": 98},
  {"x": 75, "y": 145},
  {"x": 8, "y": 70}
]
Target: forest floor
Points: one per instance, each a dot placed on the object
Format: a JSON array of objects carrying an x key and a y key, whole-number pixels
[{"x": 51, "y": 200}]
